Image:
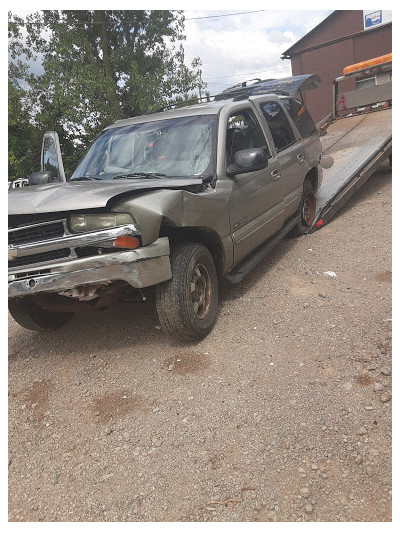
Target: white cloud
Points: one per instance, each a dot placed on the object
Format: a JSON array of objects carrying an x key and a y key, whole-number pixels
[{"x": 249, "y": 44}]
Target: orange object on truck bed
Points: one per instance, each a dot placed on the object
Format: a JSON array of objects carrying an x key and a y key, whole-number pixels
[{"x": 369, "y": 63}]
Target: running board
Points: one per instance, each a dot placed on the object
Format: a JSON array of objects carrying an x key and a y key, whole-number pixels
[{"x": 242, "y": 269}]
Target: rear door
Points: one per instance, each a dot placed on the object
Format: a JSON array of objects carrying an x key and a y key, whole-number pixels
[{"x": 256, "y": 200}]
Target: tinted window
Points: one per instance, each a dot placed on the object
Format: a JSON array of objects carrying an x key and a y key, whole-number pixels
[
  {"x": 243, "y": 132},
  {"x": 279, "y": 125},
  {"x": 301, "y": 117}
]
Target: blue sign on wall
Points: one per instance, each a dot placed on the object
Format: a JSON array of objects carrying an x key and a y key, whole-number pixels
[{"x": 372, "y": 19}]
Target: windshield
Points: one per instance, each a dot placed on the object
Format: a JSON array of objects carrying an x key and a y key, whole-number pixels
[{"x": 180, "y": 147}]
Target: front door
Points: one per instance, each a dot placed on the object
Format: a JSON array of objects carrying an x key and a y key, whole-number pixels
[
  {"x": 51, "y": 159},
  {"x": 256, "y": 202}
]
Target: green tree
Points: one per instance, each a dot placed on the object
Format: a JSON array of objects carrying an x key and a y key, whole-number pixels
[
  {"x": 24, "y": 141},
  {"x": 99, "y": 66}
]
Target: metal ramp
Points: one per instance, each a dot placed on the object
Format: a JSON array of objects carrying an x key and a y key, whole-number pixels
[{"x": 358, "y": 145}]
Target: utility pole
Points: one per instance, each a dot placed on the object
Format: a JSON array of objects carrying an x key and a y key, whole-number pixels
[{"x": 200, "y": 97}]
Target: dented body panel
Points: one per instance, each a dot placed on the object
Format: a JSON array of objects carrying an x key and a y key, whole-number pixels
[
  {"x": 140, "y": 268},
  {"x": 55, "y": 197}
]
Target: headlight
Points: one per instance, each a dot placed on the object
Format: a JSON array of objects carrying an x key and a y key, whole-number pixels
[{"x": 85, "y": 223}]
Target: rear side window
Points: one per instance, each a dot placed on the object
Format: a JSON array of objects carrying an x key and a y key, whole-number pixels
[
  {"x": 281, "y": 130},
  {"x": 301, "y": 117}
]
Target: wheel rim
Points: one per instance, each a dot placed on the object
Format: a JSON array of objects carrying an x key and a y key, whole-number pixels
[
  {"x": 308, "y": 211},
  {"x": 200, "y": 288}
]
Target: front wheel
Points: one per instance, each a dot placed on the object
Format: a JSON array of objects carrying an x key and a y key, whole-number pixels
[
  {"x": 307, "y": 210},
  {"x": 187, "y": 304},
  {"x": 32, "y": 316}
]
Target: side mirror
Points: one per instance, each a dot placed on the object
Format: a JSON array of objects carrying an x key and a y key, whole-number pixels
[
  {"x": 38, "y": 178},
  {"x": 248, "y": 160}
]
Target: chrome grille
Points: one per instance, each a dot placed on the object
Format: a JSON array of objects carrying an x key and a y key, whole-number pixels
[{"x": 36, "y": 232}]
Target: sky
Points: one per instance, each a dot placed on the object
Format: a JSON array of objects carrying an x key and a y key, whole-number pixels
[{"x": 244, "y": 45}]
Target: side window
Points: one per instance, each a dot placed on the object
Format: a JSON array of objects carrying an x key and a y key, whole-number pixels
[
  {"x": 278, "y": 123},
  {"x": 243, "y": 132},
  {"x": 300, "y": 116}
]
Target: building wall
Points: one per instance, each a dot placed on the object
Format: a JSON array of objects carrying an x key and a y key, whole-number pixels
[
  {"x": 328, "y": 59},
  {"x": 339, "y": 24}
]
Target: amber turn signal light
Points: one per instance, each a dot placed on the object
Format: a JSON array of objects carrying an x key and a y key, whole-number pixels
[{"x": 126, "y": 242}]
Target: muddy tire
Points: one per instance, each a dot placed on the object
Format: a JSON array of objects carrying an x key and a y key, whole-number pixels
[
  {"x": 29, "y": 315},
  {"x": 187, "y": 304},
  {"x": 307, "y": 210}
]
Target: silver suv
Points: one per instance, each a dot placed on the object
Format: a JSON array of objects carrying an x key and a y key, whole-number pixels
[{"x": 172, "y": 200}]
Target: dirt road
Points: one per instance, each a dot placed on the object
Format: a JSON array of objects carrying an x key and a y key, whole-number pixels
[{"x": 283, "y": 413}]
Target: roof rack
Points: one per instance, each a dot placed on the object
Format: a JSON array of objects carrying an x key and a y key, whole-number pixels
[{"x": 283, "y": 86}]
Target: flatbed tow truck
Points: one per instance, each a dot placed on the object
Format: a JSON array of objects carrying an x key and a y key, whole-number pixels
[{"x": 357, "y": 134}]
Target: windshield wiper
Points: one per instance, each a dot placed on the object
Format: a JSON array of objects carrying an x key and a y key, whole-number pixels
[
  {"x": 84, "y": 178},
  {"x": 134, "y": 175}
]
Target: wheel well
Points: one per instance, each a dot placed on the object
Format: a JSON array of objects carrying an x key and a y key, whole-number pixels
[
  {"x": 204, "y": 236},
  {"x": 312, "y": 176}
]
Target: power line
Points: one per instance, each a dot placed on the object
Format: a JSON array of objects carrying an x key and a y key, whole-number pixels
[
  {"x": 246, "y": 74},
  {"x": 226, "y": 15},
  {"x": 107, "y": 22}
]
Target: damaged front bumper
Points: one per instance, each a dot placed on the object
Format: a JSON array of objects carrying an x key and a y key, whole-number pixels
[{"x": 142, "y": 267}]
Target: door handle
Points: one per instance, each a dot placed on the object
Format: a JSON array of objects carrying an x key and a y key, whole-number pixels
[
  {"x": 300, "y": 158},
  {"x": 276, "y": 174}
]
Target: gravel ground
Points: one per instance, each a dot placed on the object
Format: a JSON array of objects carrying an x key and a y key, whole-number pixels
[{"x": 283, "y": 413}]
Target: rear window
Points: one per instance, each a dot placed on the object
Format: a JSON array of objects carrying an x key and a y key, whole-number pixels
[{"x": 300, "y": 116}]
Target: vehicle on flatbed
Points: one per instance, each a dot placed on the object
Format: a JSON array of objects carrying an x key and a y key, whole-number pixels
[{"x": 172, "y": 200}]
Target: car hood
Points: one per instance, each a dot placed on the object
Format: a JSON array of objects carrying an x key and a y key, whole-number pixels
[{"x": 72, "y": 196}]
